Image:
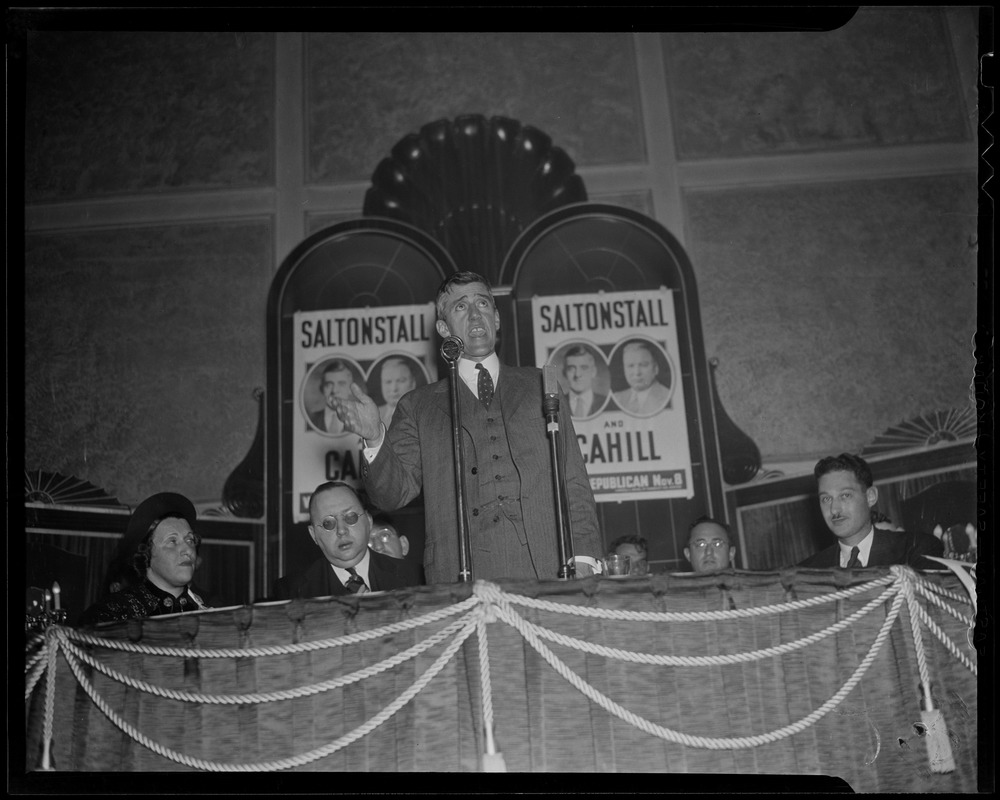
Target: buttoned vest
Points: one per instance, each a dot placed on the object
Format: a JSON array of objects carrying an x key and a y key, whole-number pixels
[{"x": 492, "y": 481}]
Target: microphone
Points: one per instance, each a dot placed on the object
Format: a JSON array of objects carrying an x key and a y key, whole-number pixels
[
  {"x": 452, "y": 348},
  {"x": 550, "y": 405},
  {"x": 550, "y": 390}
]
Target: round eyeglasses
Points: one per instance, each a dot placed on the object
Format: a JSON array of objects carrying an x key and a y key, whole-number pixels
[
  {"x": 172, "y": 541},
  {"x": 381, "y": 535},
  {"x": 350, "y": 518}
]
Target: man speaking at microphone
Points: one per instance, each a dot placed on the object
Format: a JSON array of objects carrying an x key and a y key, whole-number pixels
[{"x": 508, "y": 469}]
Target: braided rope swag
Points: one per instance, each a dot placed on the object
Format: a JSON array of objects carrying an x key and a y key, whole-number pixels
[{"x": 864, "y": 674}]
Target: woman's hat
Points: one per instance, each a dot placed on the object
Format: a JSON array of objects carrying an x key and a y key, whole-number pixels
[{"x": 148, "y": 511}]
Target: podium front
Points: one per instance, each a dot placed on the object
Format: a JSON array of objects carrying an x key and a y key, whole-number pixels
[{"x": 801, "y": 672}]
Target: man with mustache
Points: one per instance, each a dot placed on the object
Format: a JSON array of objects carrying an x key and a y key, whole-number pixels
[
  {"x": 846, "y": 498},
  {"x": 508, "y": 473},
  {"x": 157, "y": 555},
  {"x": 709, "y": 547}
]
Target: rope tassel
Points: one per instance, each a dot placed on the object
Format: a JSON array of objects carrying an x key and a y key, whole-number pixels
[
  {"x": 493, "y": 762},
  {"x": 490, "y": 595},
  {"x": 935, "y": 731},
  {"x": 938, "y": 745}
]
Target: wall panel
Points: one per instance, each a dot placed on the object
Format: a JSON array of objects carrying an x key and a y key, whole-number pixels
[
  {"x": 143, "y": 349},
  {"x": 837, "y": 310},
  {"x": 114, "y": 112},
  {"x": 365, "y": 91},
  {"x": 885, "y": 78}
]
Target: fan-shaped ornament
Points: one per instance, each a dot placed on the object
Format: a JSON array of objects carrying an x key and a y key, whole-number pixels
[
  {"x": 51, "y": 488},
  {"x": 927, "y": 430},
  {"x": 474, "y": 185}
]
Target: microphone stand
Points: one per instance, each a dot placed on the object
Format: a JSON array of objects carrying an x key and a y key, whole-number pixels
[
  {"x": 451, "y": 350},
  {"x": 550, "y": 405}
]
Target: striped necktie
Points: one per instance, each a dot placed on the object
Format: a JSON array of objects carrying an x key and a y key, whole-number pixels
[{"x": 355, "y": 584}]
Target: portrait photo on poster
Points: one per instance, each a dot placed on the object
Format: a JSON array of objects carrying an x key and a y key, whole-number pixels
[
  {"x": 642, "y": 376},
  {"x": 392, "y": 376},
  {"x": 326, "y": 381},
  {"x": 584, "y": 376},
  {"x": 620, "y": 351}
]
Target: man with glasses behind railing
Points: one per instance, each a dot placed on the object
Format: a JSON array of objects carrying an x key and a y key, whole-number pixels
[
  {"x": 709, "y": 547},
  {"x": 340, "y": 526}
]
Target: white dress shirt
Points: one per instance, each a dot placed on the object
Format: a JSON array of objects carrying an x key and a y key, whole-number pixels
[
  {"x": 580, "y": 404},
  {"x": 361, "y": 568},
  {"x": 331, "y": 421},
  {"x": 864, "y": 549}
]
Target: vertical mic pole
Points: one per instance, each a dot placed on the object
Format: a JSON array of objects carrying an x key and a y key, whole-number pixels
[
  {"x": 550, "y": 405},
  {"x": 451, "y": 350}
]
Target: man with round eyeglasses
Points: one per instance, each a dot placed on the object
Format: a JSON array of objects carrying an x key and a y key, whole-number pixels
[
  {"x": 384, "y": 538},
  {"x": 340, "y": 526},
  {"x": 710, "y": 548}
]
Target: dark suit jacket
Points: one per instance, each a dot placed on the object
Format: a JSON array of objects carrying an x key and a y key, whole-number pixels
[
  {"x": 319, "y": 579},
  {"x": 417, "y": 454},
  {"x": 317, "y": 419},
  {"x": 888, "y": 548}
]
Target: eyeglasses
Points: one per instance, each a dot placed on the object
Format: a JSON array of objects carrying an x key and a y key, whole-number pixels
[
  {"x": 701, "y": 544},
  {"x": 172, "y": 541},
  {"x": 350, "y": 518}
]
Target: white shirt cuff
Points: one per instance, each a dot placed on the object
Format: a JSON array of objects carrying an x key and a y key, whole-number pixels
[{"x": 370, "y": 452}]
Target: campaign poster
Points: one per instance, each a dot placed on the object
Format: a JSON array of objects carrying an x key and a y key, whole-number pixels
[
  {"x": 618, "y": 360},
  {"x": 387, "y": 351}
]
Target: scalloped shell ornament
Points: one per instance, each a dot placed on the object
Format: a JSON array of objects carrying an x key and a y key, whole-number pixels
[{"x": 474, "y": 184}]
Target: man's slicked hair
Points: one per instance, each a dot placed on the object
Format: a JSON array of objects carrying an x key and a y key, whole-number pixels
[
  {"x": 846, "y": 462},
  {"x": 325, "y": 487}
]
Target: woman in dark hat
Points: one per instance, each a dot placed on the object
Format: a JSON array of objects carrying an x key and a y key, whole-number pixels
[{"x": 154, "y": 564}]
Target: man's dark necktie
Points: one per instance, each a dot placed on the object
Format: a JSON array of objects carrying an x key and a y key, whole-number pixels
[
  {"x": 485, "y": 386},
  {"x": 355, "y": 583},
  {"x": 855, "y": 560}
]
